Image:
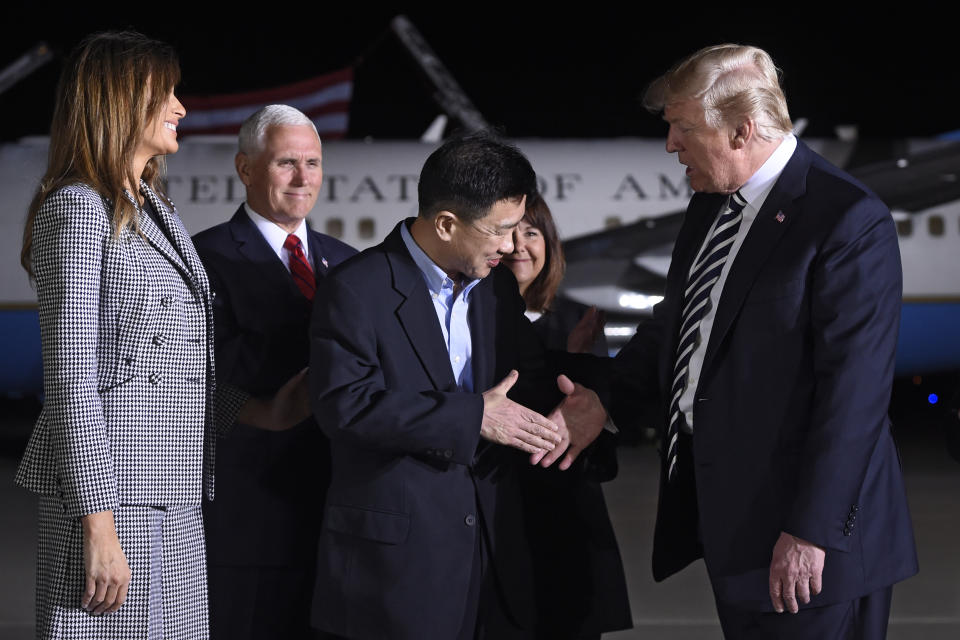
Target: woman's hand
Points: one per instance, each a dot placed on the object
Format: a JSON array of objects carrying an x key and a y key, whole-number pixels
[
  {"x": 587, "y": 331},
  {"x": 107, "y": 574}
]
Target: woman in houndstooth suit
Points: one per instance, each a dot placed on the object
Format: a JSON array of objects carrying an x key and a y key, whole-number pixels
[{"x": 124, "y": 445}]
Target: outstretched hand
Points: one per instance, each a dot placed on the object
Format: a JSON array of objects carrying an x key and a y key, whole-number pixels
[
  {"x": 288, "y": 407},
  {"x": 588, "y": 329},
  {"x": 512, "y": 424},
  {"x": 581, "y": 417}
]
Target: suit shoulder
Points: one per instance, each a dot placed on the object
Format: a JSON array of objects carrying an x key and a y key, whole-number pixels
[
  {"x": 828, "y": 181},
  {"x": 337, "y": 249},
  {"x": 212, "y": 236},
  {"x": 363, "y": 267}
]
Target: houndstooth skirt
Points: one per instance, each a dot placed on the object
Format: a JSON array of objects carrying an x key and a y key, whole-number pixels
[{"x": 167, "y": 598}]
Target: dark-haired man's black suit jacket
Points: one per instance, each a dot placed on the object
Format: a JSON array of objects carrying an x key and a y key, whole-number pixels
[
  {"x": 265, "y": 518},
  {"x": 790, "y": 426},
  {"x": 412, "y": 483}
]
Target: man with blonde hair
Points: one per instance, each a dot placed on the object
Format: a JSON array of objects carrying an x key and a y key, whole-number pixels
[{"x": 773, "y": 356}]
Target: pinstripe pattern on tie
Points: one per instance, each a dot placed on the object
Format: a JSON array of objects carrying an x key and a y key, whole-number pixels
[
  {"x": 299, "y": 267},
  {"x": 704, "y": 274}
]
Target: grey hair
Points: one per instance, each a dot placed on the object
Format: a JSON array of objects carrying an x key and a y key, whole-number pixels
[
  {"x": 732, "y": 82},
  {"x": 255, "y": 127}
]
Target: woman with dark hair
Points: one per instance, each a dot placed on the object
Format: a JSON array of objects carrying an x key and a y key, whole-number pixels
[
  {"x": 538, "y": 264},
  {"x": 581, "y": 590},
  {"x": 124, "y": 445}
]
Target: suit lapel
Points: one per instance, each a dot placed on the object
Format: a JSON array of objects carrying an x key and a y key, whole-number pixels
[
  {"x": 417, "y": 315},
  {"x": 177, "y": 248},
  {"x": 320, "y": 264},
  {"x": 252, "y": 246},
  {"x": 765, "y": 232},
  {"x": 482, "y": 318}
]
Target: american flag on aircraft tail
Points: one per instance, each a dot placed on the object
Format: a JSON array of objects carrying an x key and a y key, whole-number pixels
[{"x": 324, "y": 99}]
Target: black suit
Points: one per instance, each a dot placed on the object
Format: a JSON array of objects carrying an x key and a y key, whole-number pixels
[
  {"x": 263, "y": 525},
  {"x": 790, "y": 431},
  {"x": 413, "y": 486}
]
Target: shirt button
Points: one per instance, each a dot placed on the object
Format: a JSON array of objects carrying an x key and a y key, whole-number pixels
[{"x": 470, "y": 520}]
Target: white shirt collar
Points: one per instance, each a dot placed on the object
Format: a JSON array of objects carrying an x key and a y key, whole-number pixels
[
  {"x": 276, "y": 236},
  {"x": 761, "y": 181}
]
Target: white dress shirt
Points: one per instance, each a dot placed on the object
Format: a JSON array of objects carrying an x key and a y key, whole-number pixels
[
  {"x": 276, "y": 236},
  {"x": 755, "y": 192}
]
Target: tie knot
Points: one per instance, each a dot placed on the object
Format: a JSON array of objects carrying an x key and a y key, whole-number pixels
[
  {"x": 736, "y": 203},
  {"x": 293, "y": 244}
]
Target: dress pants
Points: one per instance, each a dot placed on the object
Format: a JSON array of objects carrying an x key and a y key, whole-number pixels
[{"x": 861, "y": 619}]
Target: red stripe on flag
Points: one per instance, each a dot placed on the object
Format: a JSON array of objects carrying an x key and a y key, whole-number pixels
[{"x": 274, "y": 95}]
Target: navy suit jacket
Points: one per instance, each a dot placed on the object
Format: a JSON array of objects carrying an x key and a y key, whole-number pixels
[
  {"x": 268, "y": 505},
  {"x": 412, "y": 482},
  {"x": 790, "y": 417}
]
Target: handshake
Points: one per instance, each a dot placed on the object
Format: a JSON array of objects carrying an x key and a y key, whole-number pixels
[{"x": 571, "y": 426}]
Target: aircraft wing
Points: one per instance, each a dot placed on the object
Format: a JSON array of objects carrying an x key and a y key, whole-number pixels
[{"x": 915, "y": 182}]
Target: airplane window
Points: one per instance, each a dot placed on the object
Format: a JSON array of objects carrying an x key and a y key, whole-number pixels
[
  {"x": 904, "y": 227},
  {"x": 612, "y": 222},
  {"x": 365, "y": 227},
  {"x": 334, "y": 227},
  {"x": 935, "y": 225}
]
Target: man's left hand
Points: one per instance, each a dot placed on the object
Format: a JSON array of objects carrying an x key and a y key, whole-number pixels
[
  {"x": 580, "y": 417},
  {"x": 796, "y": 572}
]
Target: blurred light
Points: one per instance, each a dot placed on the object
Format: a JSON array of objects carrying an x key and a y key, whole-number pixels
[
  {"x": 932, "y": 398},
  {"x": 917, "y": 380},
  {"x": 638, "y": 300},
  {"x": 618, "y": 331}
]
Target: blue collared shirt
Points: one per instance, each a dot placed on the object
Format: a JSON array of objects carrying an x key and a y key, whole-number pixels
[{"x": 452, "y": 311}]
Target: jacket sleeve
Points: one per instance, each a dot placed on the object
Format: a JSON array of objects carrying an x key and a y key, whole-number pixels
[
  {"x": 351, "y": 398},
  {"x": 70, "y": 232},
  {"x": 855, "y": 315}
]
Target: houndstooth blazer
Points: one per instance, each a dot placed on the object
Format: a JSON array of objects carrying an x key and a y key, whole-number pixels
[{"x": 127, "y": 330}]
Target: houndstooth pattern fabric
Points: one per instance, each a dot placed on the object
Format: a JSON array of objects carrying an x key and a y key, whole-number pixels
[
  {"x": 167, "y": 598},
  {"x": 129, "y": 416}
]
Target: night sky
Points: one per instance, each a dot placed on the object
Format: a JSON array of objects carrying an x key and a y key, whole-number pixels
[{"x": 551, "y": 73}]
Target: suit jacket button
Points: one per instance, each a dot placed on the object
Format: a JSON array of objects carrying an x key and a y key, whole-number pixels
[
  {"x": 159, "y": 339},
  {"x": 851, "y": 517},
  {"x": 846, "y": 531},
  {"x": 448, "y": 453},
  {"x": 470, "y": 520},
  {"x": 154, "y": 378},
  {"x": 855, "y": 508},
  {"x": 166, "y": 301}
]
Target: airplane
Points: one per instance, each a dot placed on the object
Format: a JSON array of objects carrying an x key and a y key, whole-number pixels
[{"x": 618, "y": 204}]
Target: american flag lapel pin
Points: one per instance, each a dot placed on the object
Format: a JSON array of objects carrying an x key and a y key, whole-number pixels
[
  {"x": 325, "y": 265},
  {"x": 780, "y": 216}
]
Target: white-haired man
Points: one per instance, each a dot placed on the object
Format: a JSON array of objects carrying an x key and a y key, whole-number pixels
[
  {"x": 263, "y": 265},
  {"x": 773, "y": 356}
]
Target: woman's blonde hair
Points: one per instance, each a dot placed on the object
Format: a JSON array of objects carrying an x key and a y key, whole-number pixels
[{"x": 113, "y": 84}]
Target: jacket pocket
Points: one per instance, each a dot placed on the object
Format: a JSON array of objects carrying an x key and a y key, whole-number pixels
[{"x": 380, "y": 526}]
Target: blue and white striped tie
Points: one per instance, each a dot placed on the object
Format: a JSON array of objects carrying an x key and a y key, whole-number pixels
[{"x": 703, "y": 275}]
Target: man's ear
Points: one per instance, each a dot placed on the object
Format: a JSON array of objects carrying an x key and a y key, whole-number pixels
[
  {"x": 242, "y": 162},
  {"x": 743, "y": 133},
  {"x": 444, "y": 224}
]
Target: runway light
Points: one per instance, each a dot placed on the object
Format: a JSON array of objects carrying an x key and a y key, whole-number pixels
[
  {"x": 932, "y": 398},
  {"x": 618, "y": 331},
  {"x": 638, "y": 300}
]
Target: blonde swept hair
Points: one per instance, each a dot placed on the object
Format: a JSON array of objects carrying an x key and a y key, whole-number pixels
[
  {"x": 732, "y": 82},
  {"x": 113, "y": 84}
]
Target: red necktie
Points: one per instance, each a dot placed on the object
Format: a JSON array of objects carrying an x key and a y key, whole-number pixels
[{"x": 299, "y": 267}]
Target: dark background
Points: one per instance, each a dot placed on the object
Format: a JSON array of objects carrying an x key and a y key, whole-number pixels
[{"x": 558, "y": 73}]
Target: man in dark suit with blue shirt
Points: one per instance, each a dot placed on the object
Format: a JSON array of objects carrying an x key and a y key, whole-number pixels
[
  {"x": 421, "y": 338},
  {"x": 772, "y": 355},
  {"x": 264, "y": 264}
]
